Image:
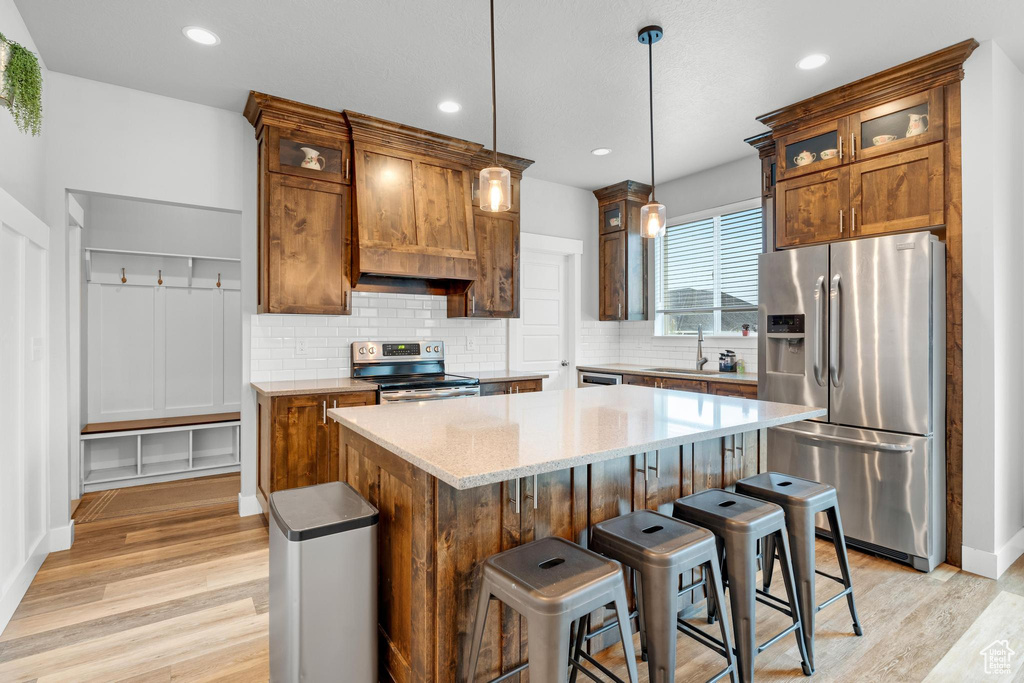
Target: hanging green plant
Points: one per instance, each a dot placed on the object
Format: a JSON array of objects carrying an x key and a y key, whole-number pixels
[{"x": 21, "y": 85}]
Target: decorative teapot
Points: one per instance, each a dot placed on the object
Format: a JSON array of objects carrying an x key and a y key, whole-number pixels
[
  {"x": 313, "y": 159},
  {"x": 918, "y": 124},
  {"x": 804, "y": 158}
]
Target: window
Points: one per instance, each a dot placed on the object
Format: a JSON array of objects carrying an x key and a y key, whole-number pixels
[{"x": 706, "y": 272}]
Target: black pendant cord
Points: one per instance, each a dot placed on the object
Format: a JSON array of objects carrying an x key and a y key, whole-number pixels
[
  {"x": 650, "y": 90},
  {"x": 494, "y": 92}
]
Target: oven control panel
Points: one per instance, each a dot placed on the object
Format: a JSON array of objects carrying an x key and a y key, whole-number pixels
[{"x": 377, "y": 352}]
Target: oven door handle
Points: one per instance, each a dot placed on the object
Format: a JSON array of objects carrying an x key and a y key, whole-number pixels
[{"x": 428, "y": 395}]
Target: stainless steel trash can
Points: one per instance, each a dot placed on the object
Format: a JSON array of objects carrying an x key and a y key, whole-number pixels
[{"x": 323, "y": 585}]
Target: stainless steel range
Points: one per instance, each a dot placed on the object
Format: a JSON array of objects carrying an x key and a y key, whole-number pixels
[{"x": 409, "y": 371}]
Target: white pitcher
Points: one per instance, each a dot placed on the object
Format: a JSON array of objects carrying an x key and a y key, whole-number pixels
[
  {"x": 313, "y": 159},
  {"x": 918, "y": 124}
]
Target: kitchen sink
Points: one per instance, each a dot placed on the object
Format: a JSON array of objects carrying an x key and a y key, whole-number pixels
[{"x": 680, "y": 371}]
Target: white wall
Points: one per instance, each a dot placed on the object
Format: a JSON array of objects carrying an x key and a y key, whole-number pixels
[
  {"x": 24, "y": 525},
  {"x": 993, "y": 423},
  {"x": 21, "y": 155},
  {"x": 132, "y": 224}
]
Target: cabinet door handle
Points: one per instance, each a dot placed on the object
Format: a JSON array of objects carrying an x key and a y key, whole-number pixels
[
  {"x": 643, "y": 468},
  {"x": 840, "y": 148},
  {"x": 853, "y": 218},
  {"x": 335, "y": 403},
  {"x": 325, "y": 411},
  {"x": 840, "y": 221},
  {"x": 620, "y": 309},
  {"x": 347, "y": 161},
  {"x": 767, "y": 182},
  {"x": 657, "y": 464},
  {"x": 472, "y": 299},
  {"x": 853, "y": 146},
  {"x": 515, "y": 498},
  {"x": 533, "y": 496}
]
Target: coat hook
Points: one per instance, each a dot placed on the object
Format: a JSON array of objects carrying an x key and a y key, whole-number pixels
[
  {"x": 159, "y": 277},
  {"x": 123, "y": 277},
  {"x": 218, "y": 279}
]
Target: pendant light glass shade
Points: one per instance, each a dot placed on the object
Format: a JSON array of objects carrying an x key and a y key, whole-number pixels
[
  {"x": 495, "y": 189},
  {"x": 653, "y": 220}
]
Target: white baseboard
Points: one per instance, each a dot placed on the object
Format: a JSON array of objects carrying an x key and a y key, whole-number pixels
[
  {"x": 992, "y": 565},
  {"x": 61, "y": 537},
  {"x": 249, "y": 505},
  {"x": 16, "y": 591}
]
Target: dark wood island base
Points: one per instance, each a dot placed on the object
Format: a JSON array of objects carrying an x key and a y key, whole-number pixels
[{"x": 433, "y": 537}]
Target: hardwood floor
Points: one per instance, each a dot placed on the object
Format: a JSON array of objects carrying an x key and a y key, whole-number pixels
[{"x": 182, "y": 596}]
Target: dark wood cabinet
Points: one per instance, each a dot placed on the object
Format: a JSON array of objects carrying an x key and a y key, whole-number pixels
[
  {"x": 304, "y": 214},
  {"x": 298, "y": 442},
  {"x": 303, "y": 241},
  {"x": 901, "y": 191},
  {"x": 812, "y": 208},
  {"x": 622, "y": 252},
  {"x": 733, "y": 389},
  {"x": 522, "y": 386}
]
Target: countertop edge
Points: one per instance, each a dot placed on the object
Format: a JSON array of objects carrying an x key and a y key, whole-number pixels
[
  {"x": 463, "y": 483},
  {"x": 272, "y": 393},
  {"x": 265, "y": 388},
  {"x": 722, "y": 377}
]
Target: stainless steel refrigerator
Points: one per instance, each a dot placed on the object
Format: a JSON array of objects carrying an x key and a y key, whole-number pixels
[{"x": 858, "y": 328}]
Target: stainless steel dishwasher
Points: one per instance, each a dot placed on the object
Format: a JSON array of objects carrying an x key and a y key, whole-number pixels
[{"x": 585, "y": 378}]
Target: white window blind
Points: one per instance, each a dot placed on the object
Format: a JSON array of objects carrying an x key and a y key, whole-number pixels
[{"x": 707, "y": 274}]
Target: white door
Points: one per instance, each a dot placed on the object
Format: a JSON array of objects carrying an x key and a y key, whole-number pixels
[{"x": 542, "y": 338}]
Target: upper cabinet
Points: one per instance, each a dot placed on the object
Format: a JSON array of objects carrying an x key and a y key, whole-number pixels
[
  {"x": 304, "y": 215},
  {"x": 864, "y": 159},
  {"x": 622, "y": 252},
  {"x": 495, "y": 291}
]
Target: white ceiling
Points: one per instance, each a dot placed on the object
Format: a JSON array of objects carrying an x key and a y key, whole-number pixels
[{"x": 571, "y": 75}]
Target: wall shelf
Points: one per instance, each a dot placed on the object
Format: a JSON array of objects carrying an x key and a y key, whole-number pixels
[
  {"x": 144, "y": 456},
  {"x": 155, "y": 269}
]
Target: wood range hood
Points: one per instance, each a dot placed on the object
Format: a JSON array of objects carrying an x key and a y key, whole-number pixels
[{"x": 413, "y": 207}]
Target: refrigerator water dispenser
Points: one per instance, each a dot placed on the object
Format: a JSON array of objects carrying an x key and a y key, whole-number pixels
[{"x": 785, "y": 352}]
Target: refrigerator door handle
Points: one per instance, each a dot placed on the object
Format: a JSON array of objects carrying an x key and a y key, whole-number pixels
[
  {"x": 835, "y": 296},
  {"x": 873, "y": 445},
  {"x": 819, "y": 298}
]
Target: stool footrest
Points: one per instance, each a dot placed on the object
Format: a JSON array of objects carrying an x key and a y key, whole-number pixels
[
  {"x": 776, "y": 603},
  {"x": 834, "y": 598},
  {"x": 510, "y": 674},
  {"x": 705, "y": 639},
  {"x": 782, "y": 634},
  {"x": 614, "y": 623},
  {"x": 837, "y": 579},
  {"x": 590, "y": 674}
]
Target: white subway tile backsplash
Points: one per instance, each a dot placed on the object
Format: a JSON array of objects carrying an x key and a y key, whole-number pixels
[{"x": 403, "y": 316}]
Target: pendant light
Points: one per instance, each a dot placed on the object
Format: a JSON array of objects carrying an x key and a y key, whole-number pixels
[
  {"x": 495, "y": 181},
  {"x": 652, "y": 214}
]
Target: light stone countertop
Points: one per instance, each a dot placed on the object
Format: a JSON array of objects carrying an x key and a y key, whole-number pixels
[
  {"x": 477, "y": 441},
  {"x": 488, "y": 376},
  {"x": 633, "y": 369},
  {"x": 300, "y": 387}
]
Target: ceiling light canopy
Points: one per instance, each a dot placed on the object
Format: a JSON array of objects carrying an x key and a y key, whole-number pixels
[
  {"x": 653, "y": 220},
  {"x": 495, "y": 181},
  {"x": 812, "y": 61},
  {"x": 449, "y": 106},
  {"x": 198, "y": 34},
  {"x": 600, "y": 151}
]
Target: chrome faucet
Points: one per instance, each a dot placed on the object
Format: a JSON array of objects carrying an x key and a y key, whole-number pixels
[{"x": 701, "y": 360}]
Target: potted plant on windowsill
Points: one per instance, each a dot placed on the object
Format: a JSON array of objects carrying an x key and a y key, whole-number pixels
[{"x": 21, "y": 86}]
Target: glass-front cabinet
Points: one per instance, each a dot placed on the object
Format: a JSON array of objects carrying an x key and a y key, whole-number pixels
[
  {"x": 898, "y": 125},
  {"x": 613, "y": 217},
  {"x": 811, "y": 149},
  {"x": 309, "y": 156}
]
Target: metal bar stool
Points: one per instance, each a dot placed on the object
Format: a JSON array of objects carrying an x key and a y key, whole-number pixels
[
  {"x": 738, "y": 523},
  {"x": 552, "y": 583},
  {"x": 801, "y": 500},
  {"x": 660, "y": 549}
]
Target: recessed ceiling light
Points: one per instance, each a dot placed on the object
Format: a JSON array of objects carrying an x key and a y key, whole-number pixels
[
  {"x": 198, "y": 34},
  {"x": 449, "y": 106},
  {"x": 600, "y": 151},
  {"x": 812, "y": 61}
]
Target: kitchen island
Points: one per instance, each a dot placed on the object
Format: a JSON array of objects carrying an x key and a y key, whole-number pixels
[{"x": 457, "y": 481}]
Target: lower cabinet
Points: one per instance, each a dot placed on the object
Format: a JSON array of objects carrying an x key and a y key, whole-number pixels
[
  {"x": 733, "y": 389},
  {"x": 298, "y": 442},
  {"x": 517, "y": 387}
]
